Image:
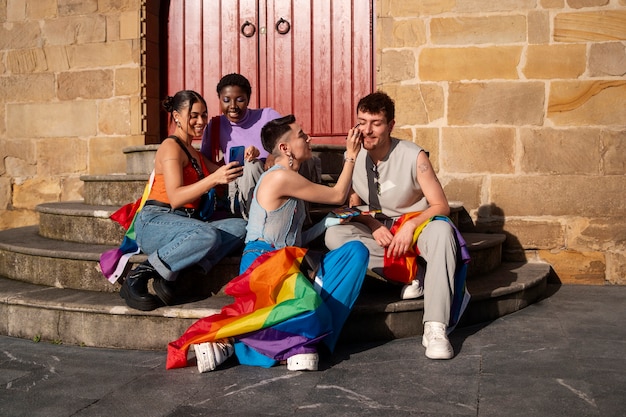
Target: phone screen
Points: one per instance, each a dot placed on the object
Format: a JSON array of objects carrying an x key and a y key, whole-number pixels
[{"x": 236, "y": 154}]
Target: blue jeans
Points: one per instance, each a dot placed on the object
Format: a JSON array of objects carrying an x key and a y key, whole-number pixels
[{"x": 174, "y": 242}]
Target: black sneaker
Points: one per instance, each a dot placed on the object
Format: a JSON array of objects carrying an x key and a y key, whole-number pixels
[
  {"x": 164, "y": 289},
  {"x": 135, "y": 288}
]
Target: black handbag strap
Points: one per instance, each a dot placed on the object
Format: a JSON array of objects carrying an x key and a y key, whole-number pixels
[{"x": 194, "y": 162}]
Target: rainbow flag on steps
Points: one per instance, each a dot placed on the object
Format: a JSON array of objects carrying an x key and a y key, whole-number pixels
[
  {"x": 114, "y": 262},
  {"x": 271, "y": 291}
]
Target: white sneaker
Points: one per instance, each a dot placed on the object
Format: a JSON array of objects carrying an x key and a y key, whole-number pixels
[
  {"x": 212, "y": 354},
  {"x": 303, "y": 362},
  {"x": 413, "y": 290},
  {"x": 436, "y": 342},
  {"x": 416, "y": 288}
]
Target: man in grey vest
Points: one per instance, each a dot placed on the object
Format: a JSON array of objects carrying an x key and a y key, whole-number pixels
[{"x": 393, "y": 177}]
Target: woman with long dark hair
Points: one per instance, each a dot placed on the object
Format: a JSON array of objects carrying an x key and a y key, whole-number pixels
[{"x": 168, "y": 228}]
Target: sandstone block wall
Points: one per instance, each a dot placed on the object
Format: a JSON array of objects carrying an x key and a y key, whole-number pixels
[
  {"x": 70, "y": 98},
  {"x": 522, "y": 104}
]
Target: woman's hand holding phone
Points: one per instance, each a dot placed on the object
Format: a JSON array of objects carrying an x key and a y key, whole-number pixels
[{"x": 237, "y": 154}]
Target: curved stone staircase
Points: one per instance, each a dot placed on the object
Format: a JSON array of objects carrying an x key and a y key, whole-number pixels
[{"x": 51, "y": 287}]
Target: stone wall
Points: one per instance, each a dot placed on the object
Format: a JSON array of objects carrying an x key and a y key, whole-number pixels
[
  {"x": 522, "y": 104},
  {"x": 70, "y": 98}
]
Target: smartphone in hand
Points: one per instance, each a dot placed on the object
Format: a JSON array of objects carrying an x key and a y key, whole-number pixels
[{"x": 237, "y": 154}]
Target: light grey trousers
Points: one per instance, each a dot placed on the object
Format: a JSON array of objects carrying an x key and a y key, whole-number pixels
[{"x": 438, "y": 250}]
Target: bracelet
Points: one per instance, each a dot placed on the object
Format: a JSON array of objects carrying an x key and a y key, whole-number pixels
[{"x": 350, "y": 160}]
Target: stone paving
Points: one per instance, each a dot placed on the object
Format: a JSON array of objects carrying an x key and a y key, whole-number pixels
[{"x": 562, "y": 356}]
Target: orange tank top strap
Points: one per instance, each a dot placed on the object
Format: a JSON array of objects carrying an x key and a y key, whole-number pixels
[{"x": 199, "y": 168}]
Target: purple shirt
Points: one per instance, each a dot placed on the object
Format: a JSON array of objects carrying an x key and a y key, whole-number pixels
[{"x": 247, "y": 132}]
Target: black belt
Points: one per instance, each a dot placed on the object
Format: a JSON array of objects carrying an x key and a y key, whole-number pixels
[
  {"x": 386, "y": 220},
  {"x": 182, "y": 211}
]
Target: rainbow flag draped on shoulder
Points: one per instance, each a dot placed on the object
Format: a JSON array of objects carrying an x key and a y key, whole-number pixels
[
  {"x": 405, "y": 269},
  {"x": 271, "y": 291},
  {"x": 114, "y": 262}
]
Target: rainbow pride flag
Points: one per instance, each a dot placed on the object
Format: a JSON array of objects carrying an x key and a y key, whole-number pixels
[
  {"x": 114, "y": 262},
  {"x": 270, "y": 292},
  {"x": 405, "y": 269}
]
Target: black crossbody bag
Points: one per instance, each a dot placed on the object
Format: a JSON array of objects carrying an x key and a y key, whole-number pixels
[{"x": 207, "y": 201}]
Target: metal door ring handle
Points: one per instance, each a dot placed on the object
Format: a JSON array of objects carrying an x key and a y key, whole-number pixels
[
  {"x": 285, "y": 24},
  {"x": 248, "y": 29}
]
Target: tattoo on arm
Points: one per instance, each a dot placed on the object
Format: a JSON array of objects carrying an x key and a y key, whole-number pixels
[{"x": 423, "y": 168}]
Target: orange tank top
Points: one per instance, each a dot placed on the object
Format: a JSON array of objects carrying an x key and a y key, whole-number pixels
[{"x": 190, "y": 176}]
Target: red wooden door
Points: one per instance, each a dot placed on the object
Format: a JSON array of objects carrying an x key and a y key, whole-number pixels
[{"x": 312, "y": 58}]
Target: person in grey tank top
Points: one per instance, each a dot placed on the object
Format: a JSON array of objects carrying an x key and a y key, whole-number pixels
[
  {"x": 395, "y": 177},
  {"x": 276, "y": 218}
]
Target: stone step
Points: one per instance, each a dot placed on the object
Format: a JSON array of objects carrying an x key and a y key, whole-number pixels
[
  {"x": 380, "y": 315},
  {"x": 78, "y": 222},
  {"x": 485, "y": 251},
  {"x": 113, "y": 190},
  {"x": 91, "y": 318},
  {"x": 140, "y": 159},
  {"x": 28, "y": 256}
]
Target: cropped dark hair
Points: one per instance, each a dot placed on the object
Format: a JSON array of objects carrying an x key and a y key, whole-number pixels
[
  {"x": 378, "y": 102},
  {"x": 274, "y": 130},
  {"x": 181, "y": 100},
  {"x": 236, "y": 80}
]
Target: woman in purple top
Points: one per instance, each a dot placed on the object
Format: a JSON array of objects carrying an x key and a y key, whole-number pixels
[{"x": 239, "y": 129}]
